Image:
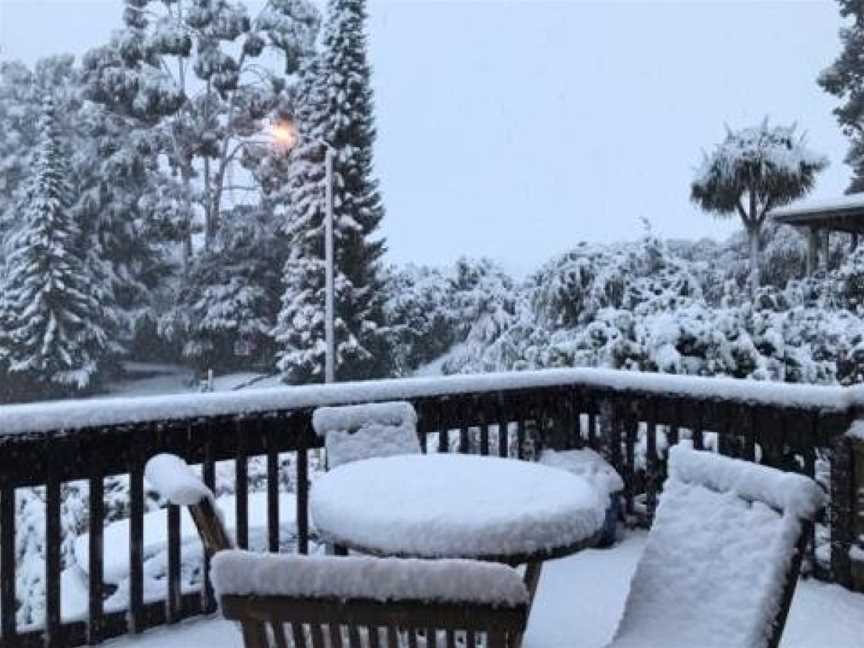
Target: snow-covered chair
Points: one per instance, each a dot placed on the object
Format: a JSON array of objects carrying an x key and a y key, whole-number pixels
[
  {"x": 283, "y": 600},
  {"x": 355, "y": 432},
  {"x": 598, "y": 472},
  {"x": 721, "y": 563}
]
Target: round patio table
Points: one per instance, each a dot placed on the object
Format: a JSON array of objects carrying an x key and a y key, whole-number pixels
[{"x": 458, "y": 506}]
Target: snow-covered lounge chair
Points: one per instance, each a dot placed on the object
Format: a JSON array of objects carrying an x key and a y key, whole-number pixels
[
  {"x": 318, "y": 602},
  {"x": 355, "y": 432},
  {"x": 721, "y": 563}
]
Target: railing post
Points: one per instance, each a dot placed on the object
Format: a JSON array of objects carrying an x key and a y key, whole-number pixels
[
  {"x": 856, "y": 552},
  {"x": 842, "y": 472}
]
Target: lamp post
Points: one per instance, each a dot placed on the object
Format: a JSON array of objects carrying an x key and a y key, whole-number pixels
[{"x": 286, "y": 135}]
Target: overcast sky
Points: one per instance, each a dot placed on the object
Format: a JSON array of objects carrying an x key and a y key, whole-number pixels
[{"x": 516, "y": 129}]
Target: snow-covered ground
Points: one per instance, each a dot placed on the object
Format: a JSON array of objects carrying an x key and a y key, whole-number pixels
[
  {"x": 154, "y": 379},
  {"x": 578, "y": 604}
]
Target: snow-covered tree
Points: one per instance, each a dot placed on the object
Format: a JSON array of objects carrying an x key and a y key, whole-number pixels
[
  {"x": 57, "y": 322},
  {"x": 188, "y": 70},
  {"x": 752, "y": 171},
  {"x": 845, "y": 80},
  {"x": 224, "y": 314},
  {"x": 336, "y": 106}
]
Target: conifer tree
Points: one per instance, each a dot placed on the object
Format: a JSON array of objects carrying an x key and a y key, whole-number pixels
[
  {"x": 336, "y": 106},
  {"x": 845, "y": 80},
  {"x": 56, "y": 326}
]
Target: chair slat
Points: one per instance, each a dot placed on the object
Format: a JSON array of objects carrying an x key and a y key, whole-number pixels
[
  {"x": 450, "y": 636},
  {"x": 254, "y": 635},
  {"x": 374, "y": 637},
  {"x": 278, "y": 629},
  {"x": 392, "y": 637},
  {"x": 335, "y": 631},
  {"x": 354, "y": 637},
  {"x": 317, "y": 635},
  {"x": 297, "y": 634},
  {"x": 471, "y": 639}
]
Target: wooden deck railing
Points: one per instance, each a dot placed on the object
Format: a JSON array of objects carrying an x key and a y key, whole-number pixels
[{"x": 628, "y": 417}]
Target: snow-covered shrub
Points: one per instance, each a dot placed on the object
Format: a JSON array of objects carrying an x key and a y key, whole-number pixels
[
  {"x": 420, "y": 318},
  {"x": 484, "y": 303}
]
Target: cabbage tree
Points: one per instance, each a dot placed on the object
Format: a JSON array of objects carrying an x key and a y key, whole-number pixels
[{"x": 752, "y": 171}]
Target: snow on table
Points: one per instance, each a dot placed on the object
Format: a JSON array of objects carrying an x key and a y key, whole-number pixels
[
  {"x": 454, "y": 506},
  {"x": 380, "y": 579},
  {"x": 715, "y": 563}
]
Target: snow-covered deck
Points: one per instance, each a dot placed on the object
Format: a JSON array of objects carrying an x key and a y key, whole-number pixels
[{"x": 578, "y": 604}]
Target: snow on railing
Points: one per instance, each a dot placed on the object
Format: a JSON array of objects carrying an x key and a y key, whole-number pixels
[{"x": 102, "y": 412}]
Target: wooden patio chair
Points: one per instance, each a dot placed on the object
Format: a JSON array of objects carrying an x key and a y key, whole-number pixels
[
  {"x": 297, "y": 601},
  {"x": 722, "y": 559},
  {"x": 356, "y": 432}
]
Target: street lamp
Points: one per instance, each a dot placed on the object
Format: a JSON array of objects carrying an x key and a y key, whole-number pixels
[{"x": 287, "y": 136}]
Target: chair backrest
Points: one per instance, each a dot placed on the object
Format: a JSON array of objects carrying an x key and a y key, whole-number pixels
[
  {"x": 364, "y": 601},
  {"x": 356, "y": 602},
  {"x": 175, "y": 481},
  {"x": 357, "y": 432},
  {"x": 722, "y": 558}
]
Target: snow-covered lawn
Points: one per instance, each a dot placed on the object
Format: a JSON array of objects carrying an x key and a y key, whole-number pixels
[
  {"x": 578, "y": 604},
  {"x": 155, "y": 379}
]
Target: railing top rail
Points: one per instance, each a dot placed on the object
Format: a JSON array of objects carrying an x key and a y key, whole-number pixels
[{"x": 64, "y": 416}]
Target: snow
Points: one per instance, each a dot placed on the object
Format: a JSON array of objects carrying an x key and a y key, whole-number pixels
[
  {"x": 586, "y": 463},
  {"x": 856, "y": 430},
  {"x": 175, "y": 480},
  {"x": 784, "y": 491},
  {"x": 75, "y": 414},
  {"x": 116, "y": 534},
  {"x": 578, "y": 604},
  {"x": 380, "y": 579},
  {"x": 714, "y": 567},
  {"x": 454, "y": 506},
  {"x": 358, "y": 432},
  {"x": 802, "y": 207}
]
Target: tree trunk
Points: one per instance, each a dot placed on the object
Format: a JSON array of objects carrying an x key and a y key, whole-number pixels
[{"x": 755, "y": 279}]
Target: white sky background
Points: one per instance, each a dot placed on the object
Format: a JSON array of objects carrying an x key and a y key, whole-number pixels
[{"x": 516, "y": 129}]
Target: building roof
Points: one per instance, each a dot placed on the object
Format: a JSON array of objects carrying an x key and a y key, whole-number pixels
[{"x": 845, "y": 213}]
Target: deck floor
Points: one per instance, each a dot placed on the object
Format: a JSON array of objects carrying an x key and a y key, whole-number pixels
[{"x": 579, "y": 601}]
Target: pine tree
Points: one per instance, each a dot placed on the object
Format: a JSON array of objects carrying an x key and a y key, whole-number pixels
[
  {"x": 335, "y": 105},
  {"x": 845, "y": 80},
  {"x": 55, "y": 333}
]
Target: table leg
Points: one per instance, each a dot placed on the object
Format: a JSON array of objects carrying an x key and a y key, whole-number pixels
[{"x": 532, "y": 579}]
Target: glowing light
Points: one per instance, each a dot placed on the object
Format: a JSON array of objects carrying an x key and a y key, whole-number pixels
[{"x": 284, "y": 134}]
